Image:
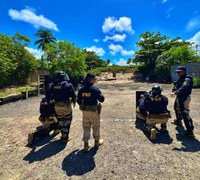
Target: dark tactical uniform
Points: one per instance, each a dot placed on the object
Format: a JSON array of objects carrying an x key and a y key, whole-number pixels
[
  {"x": 153, "y": 110},
  {"x": 63, "y": 94},
  {"x": 48, "y": 120},
  {"x": 183, "y": 90},
  {"x": 89, "y": 97}
]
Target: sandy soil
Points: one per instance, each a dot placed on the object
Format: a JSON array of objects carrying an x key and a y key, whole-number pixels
[{"x": 126, "y": 154}]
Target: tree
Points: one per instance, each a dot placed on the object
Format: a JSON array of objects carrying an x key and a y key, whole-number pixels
[
  {"x": 93, "y": 61},
  {"x": 16, "y": 62},
  {"x": 46, "y": 37},
  {"x": 108, "y": 62},
  {"x": 129, "y": 61},
  {"x": 65, "y": 56},
  {"x": 151, "y": 46},
  {"x": 174, "y": 56}
]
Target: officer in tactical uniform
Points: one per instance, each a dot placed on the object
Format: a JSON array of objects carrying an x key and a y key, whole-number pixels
[
  {"x": 153, "y": 110},
  {"x": 182, "y": 90},
  {"x": 89, "y": 98},
  {"x": 63, "y": 95},
  {"x": 48, "y": 120}
]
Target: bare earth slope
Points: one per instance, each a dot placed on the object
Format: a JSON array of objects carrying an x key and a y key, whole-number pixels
[{"x": 126, "y": 154}]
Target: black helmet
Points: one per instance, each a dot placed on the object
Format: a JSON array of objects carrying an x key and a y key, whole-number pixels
[
  {"x": 60, "y": 76},
  {"x": 156, "y": 90}
]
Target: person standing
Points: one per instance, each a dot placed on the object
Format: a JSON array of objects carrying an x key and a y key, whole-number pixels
[
  {"x": 64, "y": 96},
  {"x": 89, "y": 98},
  {"x": 182, "y": 90}
]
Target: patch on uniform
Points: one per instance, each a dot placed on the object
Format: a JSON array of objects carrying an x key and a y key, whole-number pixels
[
  {"x": 86, "y": 94},
  {"x": 156, "y": 98},
  {"x": 57, "y": 87}
]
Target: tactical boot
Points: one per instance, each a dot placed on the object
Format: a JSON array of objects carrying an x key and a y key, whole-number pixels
[
  {"x": 177, "y": 122},
  {"x": 98, "y": 143},
  {"x": 30, "y": 138},
  {"x": 153, "y": 134},
  {"x": 86, "y": 146},
  {"x": 65, "y": 140},
  {"x": 163, "y": 128}
]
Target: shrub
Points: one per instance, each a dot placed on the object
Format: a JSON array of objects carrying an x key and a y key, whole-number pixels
[{"x": 196, "y": 82}]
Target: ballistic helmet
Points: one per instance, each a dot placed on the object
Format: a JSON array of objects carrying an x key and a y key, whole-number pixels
[
  {"x": 60, "y": 76},
  {"x": 156, "y": 90}
]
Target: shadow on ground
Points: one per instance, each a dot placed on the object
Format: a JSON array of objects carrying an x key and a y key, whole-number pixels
[
  {"x": 161, "y": 138},
  {"x": 78, "y": 162},
  {"x": 47, "y": 151},
  {"x": 188, "y": 144}
]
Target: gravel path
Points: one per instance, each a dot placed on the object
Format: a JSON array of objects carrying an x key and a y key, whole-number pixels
[{"x": 126, "y": 154}]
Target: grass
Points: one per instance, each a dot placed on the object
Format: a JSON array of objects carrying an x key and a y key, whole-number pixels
[{"x": 15, "y": 90}]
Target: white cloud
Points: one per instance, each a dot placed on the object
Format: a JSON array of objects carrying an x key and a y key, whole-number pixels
[
  {"x": 97, "y": 50},
  {"x": 169, "y": 12},
  {"x": 96, "y": 40},
  {"x": 116, "y": 48},
  {"x": 115, "y": 38},
  {"x": 193, "y": 24},
  {"x": 164, "y": 1},
  {"x": 35, "y": 52},
  {"x": 121, "y": 62},
  {"x": 195, "y": 38},
  {"x": 29, "y": 16},
  {"x": 123, "y": 24},
  {"x": 127, "y": 53}
]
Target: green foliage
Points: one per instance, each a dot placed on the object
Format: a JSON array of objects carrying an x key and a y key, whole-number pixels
[
  {"x": 129, "y": 61},
  {"x": 113, "y": 69},
  {"x": 65, "y": 56},
  {"x": 108, "y": 61},
  {"x": 16, "y": 62},
  {"x": 46, "y": 37},
  {"x": 93, "y": 61},
  {"x": 196, "y": 82},
  {"x": 174, "y": 56},
  {"x": 151, "y": 46}
]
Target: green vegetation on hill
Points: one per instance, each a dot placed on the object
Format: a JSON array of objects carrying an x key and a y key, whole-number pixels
[{"x": 113, "y": 69}]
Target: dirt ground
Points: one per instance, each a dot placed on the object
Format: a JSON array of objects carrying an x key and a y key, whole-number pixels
[{"x": 126, "y": 154}]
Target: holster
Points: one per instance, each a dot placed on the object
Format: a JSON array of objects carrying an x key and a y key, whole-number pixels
[
  {"x": 99, "y": 108},
  {"x": 82, "y": 107}
]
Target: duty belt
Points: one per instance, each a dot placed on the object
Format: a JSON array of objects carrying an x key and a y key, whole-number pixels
[
  {"x": 89, "y": 108},
  {"x": 63, "y": 103},
  {"x": 158, "y": 116}
]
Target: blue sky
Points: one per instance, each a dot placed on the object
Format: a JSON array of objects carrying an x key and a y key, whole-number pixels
[{"x": 111, "y": 28}]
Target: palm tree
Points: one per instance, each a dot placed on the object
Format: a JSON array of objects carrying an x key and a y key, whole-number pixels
[
  {"x": 129, "y": 61},
  {"x": 46, "y": 37},
  {"x": 108, "y": 61}
]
